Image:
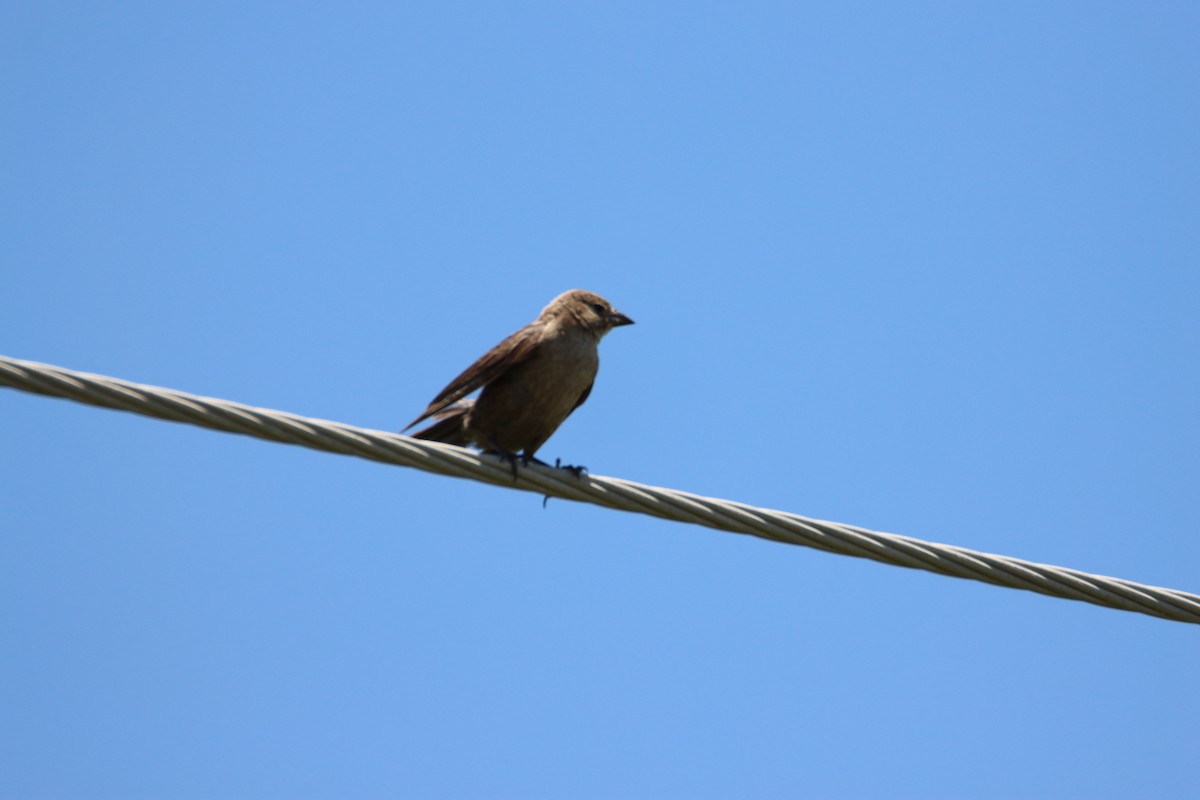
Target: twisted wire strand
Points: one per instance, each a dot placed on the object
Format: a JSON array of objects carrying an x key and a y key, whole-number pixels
[{"x": 623, "y": 495}]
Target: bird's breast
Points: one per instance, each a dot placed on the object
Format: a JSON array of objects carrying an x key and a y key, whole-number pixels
[{"x": 531, "y": 400}]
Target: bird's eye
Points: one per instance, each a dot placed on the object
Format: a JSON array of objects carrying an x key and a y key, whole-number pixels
[{"x": 599, "y": 309}]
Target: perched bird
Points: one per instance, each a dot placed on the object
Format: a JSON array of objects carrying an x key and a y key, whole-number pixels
[{"x": 531, "y": 381}]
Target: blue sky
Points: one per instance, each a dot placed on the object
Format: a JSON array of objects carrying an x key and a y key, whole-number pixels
[{"x": 927, "y": 268}]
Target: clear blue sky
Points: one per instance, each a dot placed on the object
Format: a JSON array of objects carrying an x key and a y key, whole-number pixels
[{"x": 928, "y": 268}]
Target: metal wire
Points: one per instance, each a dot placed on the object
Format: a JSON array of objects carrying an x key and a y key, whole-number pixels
[{"x": 392, "y": 448}]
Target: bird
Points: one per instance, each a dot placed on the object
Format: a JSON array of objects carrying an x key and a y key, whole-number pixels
[{"x": 530, "y": 382}]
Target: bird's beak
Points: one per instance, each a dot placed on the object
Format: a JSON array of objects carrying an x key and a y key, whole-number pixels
[{"x": 617, "y": 318}]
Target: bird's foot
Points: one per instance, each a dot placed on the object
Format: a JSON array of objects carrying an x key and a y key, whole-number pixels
[
  {"x": 578, "y": 472},
  {"x": 513, "y": 458},
  {"x": 508, "y": 458}
]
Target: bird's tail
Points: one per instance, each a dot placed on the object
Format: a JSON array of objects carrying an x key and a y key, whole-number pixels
[{"x": 449, "y": 425}]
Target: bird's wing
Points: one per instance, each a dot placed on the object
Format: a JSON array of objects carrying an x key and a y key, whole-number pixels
[
  {"x": 490, "y": 366},
  {"x": 583, "y": 396}
]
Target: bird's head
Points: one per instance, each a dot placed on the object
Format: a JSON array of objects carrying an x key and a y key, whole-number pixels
[{"x": 590, "y": 311}]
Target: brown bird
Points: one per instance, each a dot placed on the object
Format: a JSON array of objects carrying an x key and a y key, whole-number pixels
[{"x": 531, "y": 381}]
